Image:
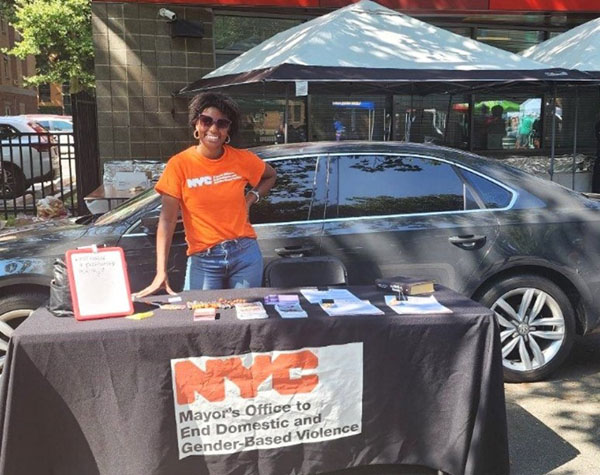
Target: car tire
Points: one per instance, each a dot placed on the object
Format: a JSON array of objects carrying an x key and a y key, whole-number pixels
[
  {"x": 537, "y": 325},
  {"x": 14, "y": 309},
  {"x": 12, "y": 181}
]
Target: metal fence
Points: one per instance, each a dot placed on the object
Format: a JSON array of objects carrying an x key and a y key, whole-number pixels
[
  {"x": 85, "y": 131},
  {"x": 35, "y": 167}
]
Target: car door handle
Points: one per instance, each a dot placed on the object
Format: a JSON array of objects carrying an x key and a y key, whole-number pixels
[
  {"x": 294, "y": 251},
  {"x": 468, "y": 241}
]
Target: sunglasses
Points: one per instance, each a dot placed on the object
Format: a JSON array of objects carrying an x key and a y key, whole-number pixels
[{"x": 208, "y": 121}]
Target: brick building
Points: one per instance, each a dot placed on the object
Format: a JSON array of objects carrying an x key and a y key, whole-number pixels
[{"x": 14, "y": 97}]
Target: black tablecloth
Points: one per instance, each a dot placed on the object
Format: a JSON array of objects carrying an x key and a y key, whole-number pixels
[{"x": 96, "y": 396}]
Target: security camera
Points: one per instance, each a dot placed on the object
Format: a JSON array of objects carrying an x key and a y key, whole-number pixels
[{"x": 168, "y": 14}]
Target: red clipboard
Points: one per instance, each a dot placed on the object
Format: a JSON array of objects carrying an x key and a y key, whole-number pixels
[{"x": 99, "y": 283}]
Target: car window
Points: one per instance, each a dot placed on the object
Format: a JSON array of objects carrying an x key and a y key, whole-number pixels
[
  {"x": 127, "y": 209},
  {"x": 493, "y": 195},
  {"x": 295, "y": 196},
  {"x": 61, "y": 126},
  {"x": 45, "y": 124},
  {"x": 7, "y": 132},
  {"x": 375, "y": 185}
]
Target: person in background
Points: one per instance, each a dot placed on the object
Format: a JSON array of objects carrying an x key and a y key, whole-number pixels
[
  {"x": 496, "y": 128},
  {"x": 338, "y": 127},
  {"x": 525, "y": 126},
  {"x": 207, "y": 182},
  {"x": 536, "y": 133}
]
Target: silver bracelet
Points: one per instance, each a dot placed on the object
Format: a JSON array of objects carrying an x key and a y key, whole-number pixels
[{"x": 255, "y": 193}]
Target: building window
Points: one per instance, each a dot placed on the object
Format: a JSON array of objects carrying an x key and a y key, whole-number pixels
[
  {"x": 6, "y": 66},
  {"x": 459, "y": 30},
  {"x": 44, "y": 93},
  {"x": 349, "y": 118},
  {"x": 236, "y": 34},
  {"x": 263, "y": 120},
  {"x": 568, "y": 103},
  {"x": 435, "y": 118},
  {"x": 510, "y": 40}
]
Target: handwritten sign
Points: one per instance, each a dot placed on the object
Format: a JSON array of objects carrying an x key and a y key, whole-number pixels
[{"x": 99, "y": 283}]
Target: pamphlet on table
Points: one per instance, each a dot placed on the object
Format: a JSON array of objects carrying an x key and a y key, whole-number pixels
[
  {"x": 250, "y": 311},
  {"x": 290, "y": 310},
  {"x": 341, "y": 307},
  {"x": 415, "y": 305},
  {"x": 316, "y": 295}
]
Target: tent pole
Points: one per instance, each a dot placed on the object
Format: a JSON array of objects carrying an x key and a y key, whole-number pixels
[
  {"x": 471, "y": 120},
  {"x": 285, "y": 113},
  {"x": 307, "y": 117},
  {"x": 553, "y": 139},
  {"x": 410, "y": 114},
  {"x": 448, "y": 120},
  {"x": 575, "y": 137}
]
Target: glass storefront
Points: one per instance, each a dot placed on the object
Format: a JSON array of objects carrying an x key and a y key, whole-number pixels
[
  {"x": 509, "y": 40},
  {"x": 349, "y": 118},
  {"x": 263, "y": 120},
  {"x": 507, "y": 122},
  {"x": 436, "y": 118}
]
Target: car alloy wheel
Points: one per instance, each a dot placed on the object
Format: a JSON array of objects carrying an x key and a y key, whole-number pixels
[
  {"x": 8, "y": 322},
  {"x": 533, "y": 328},
  {"x": 14, "y": 309},
  {"x": 12, "y": 181},
  {"x": 537, "y": 327}
]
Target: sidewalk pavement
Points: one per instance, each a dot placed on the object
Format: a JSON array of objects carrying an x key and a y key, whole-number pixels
[{"x": 554, "y": 425}]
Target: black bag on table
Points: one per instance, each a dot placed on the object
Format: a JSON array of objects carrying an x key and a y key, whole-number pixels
[{"x": 60, "y": 304}]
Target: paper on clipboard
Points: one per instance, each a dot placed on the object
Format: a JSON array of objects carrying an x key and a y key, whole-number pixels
[{"x": 99, "y": 283}]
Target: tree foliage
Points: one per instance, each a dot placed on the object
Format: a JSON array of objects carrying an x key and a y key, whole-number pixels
[{"x": 59, "y": 34}]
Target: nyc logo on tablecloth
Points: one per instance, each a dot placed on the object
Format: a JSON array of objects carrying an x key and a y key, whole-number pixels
[{"x": 266, "y": 400}]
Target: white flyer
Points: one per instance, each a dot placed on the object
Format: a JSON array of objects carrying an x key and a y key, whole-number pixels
[
  {"x": 342, "y": 307},
  {"x": 314, "y": 295},
  {"x": 415, "y": 305}
]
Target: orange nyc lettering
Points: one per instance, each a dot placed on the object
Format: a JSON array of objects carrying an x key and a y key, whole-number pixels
[{"x": 189, "y": 379}]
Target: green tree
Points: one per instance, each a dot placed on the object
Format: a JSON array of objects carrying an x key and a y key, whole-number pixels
[{"x": 59, "y": 34}]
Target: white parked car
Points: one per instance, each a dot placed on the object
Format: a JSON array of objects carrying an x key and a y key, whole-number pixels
[
  {"x": 28, "y": 155},
  {"x": 62, "y": 125}
]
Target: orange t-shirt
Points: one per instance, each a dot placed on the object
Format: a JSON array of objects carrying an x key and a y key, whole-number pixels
[{"x": 211, "y": 194}]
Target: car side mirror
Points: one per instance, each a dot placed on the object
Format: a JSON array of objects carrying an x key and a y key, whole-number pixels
[{"x": 149, "y": 224}]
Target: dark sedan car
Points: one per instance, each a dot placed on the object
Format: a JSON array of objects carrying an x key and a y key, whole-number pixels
[{"x": 527, "y": 248}]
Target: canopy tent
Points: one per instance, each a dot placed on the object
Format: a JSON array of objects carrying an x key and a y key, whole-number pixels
[
  {"x": 367, "y": 43},
  {"x": 578, "y": 48}
]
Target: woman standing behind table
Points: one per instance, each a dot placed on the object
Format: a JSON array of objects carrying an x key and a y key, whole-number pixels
[{"x": 208, "y": 181}]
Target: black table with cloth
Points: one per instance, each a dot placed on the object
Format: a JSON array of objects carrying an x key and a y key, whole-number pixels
[{"x": 96, "y": 396}]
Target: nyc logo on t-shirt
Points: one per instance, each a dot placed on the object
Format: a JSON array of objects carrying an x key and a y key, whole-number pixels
[{"x": 212, "y": 179}]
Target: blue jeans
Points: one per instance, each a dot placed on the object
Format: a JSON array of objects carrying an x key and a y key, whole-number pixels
[{"x": 228, "y": 265}]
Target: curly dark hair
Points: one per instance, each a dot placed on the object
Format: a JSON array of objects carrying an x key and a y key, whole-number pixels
[{"x": 219, "y": 101}]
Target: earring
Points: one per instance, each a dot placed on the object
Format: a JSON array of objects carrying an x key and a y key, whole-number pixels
[
  {"x": 196, "y": 134},
  {"x": 228, "y": 139}
]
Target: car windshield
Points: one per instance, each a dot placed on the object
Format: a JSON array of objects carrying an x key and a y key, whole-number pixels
[{"x": 128, "y": 208}]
